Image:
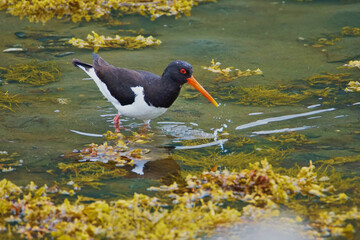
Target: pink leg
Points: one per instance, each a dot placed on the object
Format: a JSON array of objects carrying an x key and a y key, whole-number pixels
[
  {"x": 116, "y": 123},
  {"x": 116, "y": 119}
]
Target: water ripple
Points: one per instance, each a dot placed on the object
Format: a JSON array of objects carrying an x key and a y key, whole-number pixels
[{"x": 281, "y": 118}]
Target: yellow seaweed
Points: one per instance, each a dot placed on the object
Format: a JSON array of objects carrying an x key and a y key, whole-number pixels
[
  {"x": 324, "y": 93},
  {"x": 9, "y": 161},
  {"x": 7, "y": 101},
  {"x": 340, "y": 160},
  {"x": 96, "y": 42},
  {"x": 229, "y": 73},
  {"x": 232, "y": 161},
  {"x": 261, "y": 96},
  {"x": 353, "y": 86},
  {"x": 77, "y": 10},
  {"x": 321, "y": 42},
  {"x": 329, "y": 79},
  {"x": 290, "y": 138},
  {"x": 35, "y": 73},
  {"x": 36, "y": 215},
  {"x": 350, "y": 31},
  {"x": 90, "y": 173},
  {"x": 352, "y": 64},
  {"x": 194, "y": 210}
]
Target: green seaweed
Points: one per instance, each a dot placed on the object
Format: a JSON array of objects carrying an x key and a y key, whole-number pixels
[
  {"x": 340, "y": 160},
  {"x": 233, "y": 161},
  {"x": 290, "y": 139},
  {"x": 267, "y": 97},
  {"x": 324, "y": 93},
  {"x": 258, "y": 96},
  {"x": 329, "y": 79},
  {"x": 90, "y": 173},
  {"x": 34, "y": 73}
]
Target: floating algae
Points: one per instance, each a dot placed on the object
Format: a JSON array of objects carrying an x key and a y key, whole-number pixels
[
  {"x": 329, "y": 79},
  {"x": 325, "y": 85},
  {"x": 34, "y": 214},
  {"x": 7, "y": 100},
  {"x": 350, "y": 31},
  {"x": 9, "y": 161},
  {"x": 96, "y": 42},
  {"x": 327, "y": 42},
  {"x": 290, "y": 138},
  {"x": 97, "y": 162},
  {"x": 194, "y": 210},
  {"x": 353, "y": 86},
  {"x": 353, "y": 64},
  {"x": 229, "y": 73},
  {"x": 331, "y": 40},
  {"x": 43, "y": 11},
  {"x": 323, "y": 93},
  {"x": 264, "y": 190},
  {"x": 261, "y": 96},
  {"x": 340, "y": 160},
  {"x": 89, "y": 173},
  {"x": 233, "y": 161},
  {"x": 35, "y": 73}
]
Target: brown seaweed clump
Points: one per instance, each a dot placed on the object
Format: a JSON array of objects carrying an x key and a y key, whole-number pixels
[{"x": 34, "y": 73}]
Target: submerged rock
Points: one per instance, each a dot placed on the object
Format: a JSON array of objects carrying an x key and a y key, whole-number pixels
[{"x": 21, "y": 35}]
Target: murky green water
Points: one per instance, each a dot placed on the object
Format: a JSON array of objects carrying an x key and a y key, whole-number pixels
[{"x": 244, "y": 34}]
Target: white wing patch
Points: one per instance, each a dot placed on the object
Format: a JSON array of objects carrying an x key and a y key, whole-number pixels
[{"x": 139, "y": 109}]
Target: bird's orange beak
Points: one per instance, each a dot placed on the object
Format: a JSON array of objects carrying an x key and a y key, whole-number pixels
[{"x": 192, "y": 81}]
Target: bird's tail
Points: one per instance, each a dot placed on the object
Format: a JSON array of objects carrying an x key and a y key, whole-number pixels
[{"x": 82, "y": 65}]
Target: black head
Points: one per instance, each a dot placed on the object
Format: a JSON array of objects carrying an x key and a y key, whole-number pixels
[{"x": 178, "y": 71}]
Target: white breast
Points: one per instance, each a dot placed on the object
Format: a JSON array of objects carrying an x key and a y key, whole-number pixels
[{"x": 138, "y": 109}]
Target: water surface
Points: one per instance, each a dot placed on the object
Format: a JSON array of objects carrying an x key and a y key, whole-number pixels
[{"x": 245, "y": 34}]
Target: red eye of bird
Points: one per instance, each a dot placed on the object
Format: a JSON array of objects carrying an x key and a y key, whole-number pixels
[{"x": 183, "y": 71}]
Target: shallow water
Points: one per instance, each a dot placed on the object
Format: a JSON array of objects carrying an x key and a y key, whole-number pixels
[{"x": 244, "y": 34}]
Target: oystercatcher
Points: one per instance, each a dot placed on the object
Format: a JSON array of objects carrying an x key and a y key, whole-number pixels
[{"x": 140, "y": 94}]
